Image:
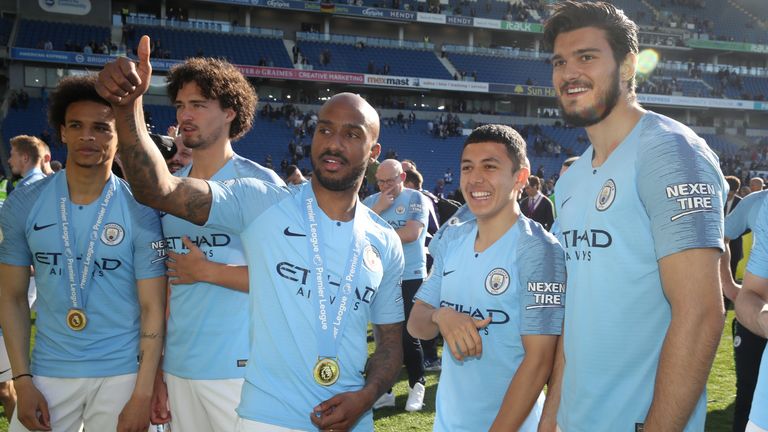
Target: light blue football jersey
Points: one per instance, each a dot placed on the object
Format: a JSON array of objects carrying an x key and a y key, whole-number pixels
[
  {"x": 33, "y": 175},
  {"x": 279, "y": 386},
  {"x": 744, "y": 216},
  {"x": 758, "y": 266},
  {"x": 408, "y": 205},
  {"x": 660, "y": 192},
  {"x": 207, "y": 336},
  {"x": 131, "y": 249},
  {"x": 520, "y": 282}
]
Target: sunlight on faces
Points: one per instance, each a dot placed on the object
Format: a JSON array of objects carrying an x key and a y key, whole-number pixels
[
  {"x": 202, "y": 121},
  {"x": 489, "y": 180},
  {"x": 344, "y": 141},
  {"x": 89, "y": 134}
]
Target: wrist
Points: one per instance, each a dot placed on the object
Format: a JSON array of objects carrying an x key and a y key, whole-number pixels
[{"x": 436, "y": 316}]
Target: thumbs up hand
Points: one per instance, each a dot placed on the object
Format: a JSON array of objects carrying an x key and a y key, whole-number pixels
[{"x": 122, "y": 81}]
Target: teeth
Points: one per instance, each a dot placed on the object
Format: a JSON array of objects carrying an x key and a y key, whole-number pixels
[
  {"x": 480, "y": 194},
  {"x": 577, "y": 90}
]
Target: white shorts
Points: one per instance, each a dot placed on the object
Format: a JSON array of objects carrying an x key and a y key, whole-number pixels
[
  {"x": 203, "y": 405},
  {"x": 751, "y": 427},
  {"x": 244, "y": 425},
  {"x": 74, "y": 403},
  {"x": 5, "y": 364}
]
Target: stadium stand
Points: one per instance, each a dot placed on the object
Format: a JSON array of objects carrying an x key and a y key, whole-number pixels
[{"x": 33, "y": 34}]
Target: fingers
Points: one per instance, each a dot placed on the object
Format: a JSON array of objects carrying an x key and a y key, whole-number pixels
[
  {"x": 480, "y": 324},
  {"x": 189, "y": 244},
  {"x": 143, "y": 51}
]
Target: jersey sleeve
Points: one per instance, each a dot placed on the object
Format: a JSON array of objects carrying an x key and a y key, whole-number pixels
[
  {"x": 541, "y": 277},
  {"x": 758, "y": 258},
  {"x": 14, "y": 249},
  {"x": 235, "y": 203},
  {"x": 418, "y": 209},
  {"x": 429, "y": 291},
  {"x": 736, "y": 221},
  {"x": 149, "y": 250},
  {"x": 680, "y": 184},
  {"x": 387, "y": 306}
]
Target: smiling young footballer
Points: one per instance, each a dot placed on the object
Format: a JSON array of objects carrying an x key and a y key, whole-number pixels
[{"x": 496, "y": 293}]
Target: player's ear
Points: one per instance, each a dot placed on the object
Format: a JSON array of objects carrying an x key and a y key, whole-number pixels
[
  {"x": 521, "y": 177},
  {"x": 628, "y": 67},
  {"x": 375, "y": 151}
]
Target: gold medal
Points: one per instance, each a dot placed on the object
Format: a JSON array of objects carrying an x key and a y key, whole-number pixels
[
  {"x": 326, "y": 371},
  {"x": 76, "y": 319}
]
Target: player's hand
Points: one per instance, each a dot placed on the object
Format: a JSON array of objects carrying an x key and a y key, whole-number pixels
[
  {"x": 31, "y": 406},
  {"x": 135, "y": 415},
  {"x": 460, "y": 332},
  {"x": 340, "y": 412},
  {"x": 122, "y": 81},
  {"x": 187, "y": 268},
  {"x": 386, "y": 198},
  {"x": 161, "y": 412}
]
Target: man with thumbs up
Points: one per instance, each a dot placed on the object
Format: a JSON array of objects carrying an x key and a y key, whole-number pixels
[{"x": 316, "y": 258}]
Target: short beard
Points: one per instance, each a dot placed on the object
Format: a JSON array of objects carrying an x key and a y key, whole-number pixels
[
  {"x": 343, "y": 184},
  {"x": 592, "y": 116}
]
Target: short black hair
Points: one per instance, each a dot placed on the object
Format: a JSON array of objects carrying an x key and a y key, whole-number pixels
[
  {"x": 505, "y": 135},
  {"x": 71, "y": 89},
  {"x": 621, "y": 32}
]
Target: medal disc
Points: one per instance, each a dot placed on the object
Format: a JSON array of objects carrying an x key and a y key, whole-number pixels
[
  {"x": 76, "y": 319},
  {"x": 326, "y": 371}
]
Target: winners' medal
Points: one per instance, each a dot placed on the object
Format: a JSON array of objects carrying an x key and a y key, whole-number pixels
[
  {"x": 326, "y": 371},
  {"x": 76, "y": 319}
]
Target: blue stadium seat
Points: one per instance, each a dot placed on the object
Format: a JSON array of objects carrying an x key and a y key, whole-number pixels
[{"x": 32, "y": 34}]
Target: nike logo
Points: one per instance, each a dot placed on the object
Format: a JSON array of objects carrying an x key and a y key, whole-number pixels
[
  {"x": 446, "y": 273},
  {"x": 287, "y": 232},
  {"x": 2, "y": 372},
  {"x": 565, "y": 201},
  {"x": 38, "y": 228}
]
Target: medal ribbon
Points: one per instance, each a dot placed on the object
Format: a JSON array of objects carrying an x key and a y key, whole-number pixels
[
  {"x": 79, "y": 277},
  {"x": 330, "y": 316}
]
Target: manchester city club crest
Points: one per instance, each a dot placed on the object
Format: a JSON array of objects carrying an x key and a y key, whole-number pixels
[
  {"x": 400, "y": 210},
  {"x": 371, "y": 258},
  {"x": 606, "y": 196},
  {"x": 497, "y": 281},
  {"x": 112, "y": 235}
]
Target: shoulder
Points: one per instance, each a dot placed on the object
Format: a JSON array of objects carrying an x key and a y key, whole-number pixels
[
  {"x": 371, "y": 198},
  {"x": 665, "y": 136},
  {"x": 248, "y": 168},
  {"x": 25, "y": 197},
  {"x": 534, "y": 237}
]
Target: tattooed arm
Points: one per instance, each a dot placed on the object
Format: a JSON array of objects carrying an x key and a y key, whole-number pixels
[
  {"x": 122, "y": 83},
  {"x": 135, "y": 415},
  {"x": 343, "y": 410}
]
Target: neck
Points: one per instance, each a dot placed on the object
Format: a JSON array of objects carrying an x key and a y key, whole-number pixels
[
  {"x": 208, "y": 161},
  {"x": 27, "y": 170},
  {"x": 337, "y": 205},
  {"x": 609, "y": 133},
  {"x": 86, "y": 184},
  {"x": 490, "y": 229}
]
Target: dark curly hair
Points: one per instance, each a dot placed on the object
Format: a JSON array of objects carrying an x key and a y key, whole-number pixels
[
  {"x": 220, "y": 80},
  {"x": 71, "y": 89},
  {"x": 505, "y": 135},
  {"x": 621, "y": 32}
]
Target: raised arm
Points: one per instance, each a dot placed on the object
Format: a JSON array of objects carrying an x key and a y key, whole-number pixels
[{"x": 123, "y": 83}]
